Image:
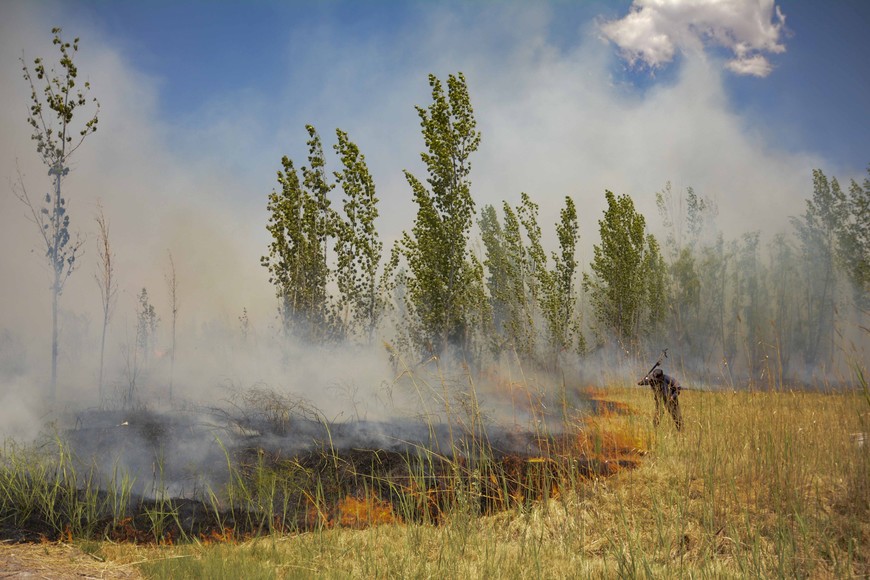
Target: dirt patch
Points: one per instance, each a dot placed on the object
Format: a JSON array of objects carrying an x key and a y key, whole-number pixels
[{"x": 57, "y": 561}]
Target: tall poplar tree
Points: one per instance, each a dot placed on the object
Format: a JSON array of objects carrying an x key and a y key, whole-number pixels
[
  {"x": 817, "y": 231},
  {"x": 853, "y": 238},
  {"x": 55, "y": 96},
  {"x": 558, "y": 291},
  {"x": 498, "y": 272},
  {"x": 445, "y": 281},
  {"x": 689, "y": 224},
  {"x": 627, "y": 280},
  {"x": 301, "y": 223},
  {"x": 509, "y": 275},
  {"x": 521, "y": 323},
  {"x": 358, "y": 246}
]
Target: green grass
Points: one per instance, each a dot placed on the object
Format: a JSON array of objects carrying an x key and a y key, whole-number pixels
[{"x": 43, "y": 489}]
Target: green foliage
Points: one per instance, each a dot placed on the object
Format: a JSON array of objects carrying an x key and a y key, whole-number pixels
[
  {"x": 853, "y": 237},
  {"x": 558, "y": 295},
  {"x": 750, "y": 302},
  {"x": 689, "y": 221},
  {"x": 358, "y": 246},
  {"x": 520, "y": 326},
  {"x": 685, "y": 219},
  {"x": 498, "y": 266},
  {"x": 817, "y": 232},
  {"x": 535, "y": 275},
  {"x": 626, "y": 284},
  {"x": 686, "y": 294},
  {"x": 511, "y": 282},
  {"x": 654, "y": 295},
  {"x": 764, "y": 310},
  {"x": 51, "y": 117},
  {"x": 55, "y": 138},
  {"x": 301, "y": 223},
  {"x": 521, "y": 284},
  {"x": 445, "y": 281}
]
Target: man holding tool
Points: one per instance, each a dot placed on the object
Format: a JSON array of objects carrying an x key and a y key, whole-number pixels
[{"x": 666, "y": 391}]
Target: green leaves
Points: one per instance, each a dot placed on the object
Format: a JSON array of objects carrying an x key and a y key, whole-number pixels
[
  {"x": 524, "y": 292},
  {"x": 817, "y": 232},
  {"x": 300, "y": 223},
  {"x": 304, "y": 229},
  {"x": 55, "y": 144},
  {"x": 444, "y": 282},
  {"x": 358, "y": 246},
  {"x": 853, "y": 241},
  {"x": 627, "y": 284},
  {"x": 56, "y": 139},
  {"x": 558, "y": 293}
]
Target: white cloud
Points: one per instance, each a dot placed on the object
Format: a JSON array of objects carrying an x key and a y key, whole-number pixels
[
  {"x": 654, "y": 30},
  {"x": 755, "y": 65}
]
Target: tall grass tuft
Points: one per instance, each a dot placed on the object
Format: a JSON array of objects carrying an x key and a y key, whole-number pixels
[{"x": 44, "y": 495}]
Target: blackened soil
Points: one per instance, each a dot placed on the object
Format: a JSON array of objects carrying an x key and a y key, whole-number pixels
[{"x": 250, "y": 479}]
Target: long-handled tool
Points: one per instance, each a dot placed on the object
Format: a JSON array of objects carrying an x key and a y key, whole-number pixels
[{"x": 662, "y": 357}]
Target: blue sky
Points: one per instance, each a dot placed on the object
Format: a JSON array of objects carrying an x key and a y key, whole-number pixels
[
  {"x": 816, "y": 98},
  {"x": 201, "y": 99}
]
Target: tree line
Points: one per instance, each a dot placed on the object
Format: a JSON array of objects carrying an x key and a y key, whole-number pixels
[
  {"x": 726, "y": 305},
  {"x": 767, "y": 311}
]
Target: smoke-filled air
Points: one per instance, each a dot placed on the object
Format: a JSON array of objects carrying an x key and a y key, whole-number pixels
[{"x": 278, "y": 267}]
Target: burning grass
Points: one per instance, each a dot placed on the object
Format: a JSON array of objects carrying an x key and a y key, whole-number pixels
[
  {"x": 757, "y": 484},
  {"x": 286, "y": 471}
]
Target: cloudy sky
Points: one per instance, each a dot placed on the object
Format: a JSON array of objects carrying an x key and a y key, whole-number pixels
[{"x": 739, "y": 99}]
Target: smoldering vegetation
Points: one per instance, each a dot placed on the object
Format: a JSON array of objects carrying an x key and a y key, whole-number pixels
[
  {"x": 396, "y": 386},
  {"x": 265, "y": 462}
]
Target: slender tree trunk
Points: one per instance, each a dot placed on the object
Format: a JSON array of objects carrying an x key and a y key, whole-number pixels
[
  {"x": 53, "y": 389},
  {"x": 102, "y": 357},
  {"x": 172, "y": 284},
  {"x": 171, "y": 370},
  {"x": 55, "y": 289},
  {"x": 172, "y": 359}
]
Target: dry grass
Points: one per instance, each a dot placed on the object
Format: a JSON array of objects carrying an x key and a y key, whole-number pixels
[
  {"x": 60, "y": 561},
  {"x": 758, "y": 484}
]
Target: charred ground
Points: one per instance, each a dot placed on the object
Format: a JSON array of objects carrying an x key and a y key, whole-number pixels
[{"x": 276, "y": 466}]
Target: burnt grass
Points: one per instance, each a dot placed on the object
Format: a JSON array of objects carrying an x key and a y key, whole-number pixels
[{"x": 213, "y": 477}]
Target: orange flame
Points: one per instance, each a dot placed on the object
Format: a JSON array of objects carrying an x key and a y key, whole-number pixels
[{"x": 358, "y": 513}]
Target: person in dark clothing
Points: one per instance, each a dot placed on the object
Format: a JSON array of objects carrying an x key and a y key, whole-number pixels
[{"x": 666, "y": 391}]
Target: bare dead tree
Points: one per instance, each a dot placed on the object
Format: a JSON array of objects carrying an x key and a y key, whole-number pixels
[
  {"x": 172, "y": 286},
  {"x": 105, "y": 278}
]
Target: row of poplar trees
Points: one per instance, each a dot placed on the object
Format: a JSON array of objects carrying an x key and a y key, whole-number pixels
[
  {"x": 433, "y": 294},
  {"x": 442, "y": 289},
  {"x": 794, "y": 306}
]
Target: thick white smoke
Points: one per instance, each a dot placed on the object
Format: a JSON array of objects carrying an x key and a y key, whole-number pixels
[{"x": 554, "y": 123}]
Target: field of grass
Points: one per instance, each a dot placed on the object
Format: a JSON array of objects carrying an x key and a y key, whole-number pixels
[{"x": 772, "y": 484}]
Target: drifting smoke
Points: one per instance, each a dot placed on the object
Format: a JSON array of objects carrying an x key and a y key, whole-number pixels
[{"x": 552, "y": 122}]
